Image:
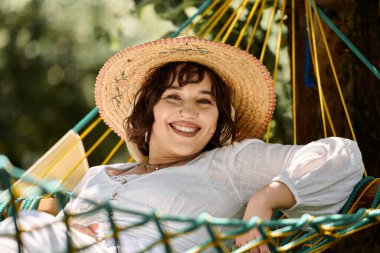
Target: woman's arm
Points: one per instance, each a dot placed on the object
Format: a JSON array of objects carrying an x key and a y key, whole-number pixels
[
  {"x": 316, "y": 178},
  {"x": 275, "y": 195}
]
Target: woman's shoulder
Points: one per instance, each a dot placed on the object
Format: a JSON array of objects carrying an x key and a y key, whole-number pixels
[
  {"x": 234, "y": 147},
  {"x": 259, "y": 148}
]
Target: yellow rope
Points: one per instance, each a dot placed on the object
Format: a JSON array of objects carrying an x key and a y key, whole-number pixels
[
  {"x": 255, "y": 26},
  {"x": 325, "y": 107},
  {"x": 240, "y": 11},
  {"x": 337, "y": 81},
  {"x": 113, "y": 151},
  {"x": 294, "y": 97},
  {"x": 228, "y": 22},
  {"x": 334, "y": 73},
  {"x": 89, "y": 152},
  {"x": 316, "y": 67},
  {"x": 279, "y": 37},
  {"x": 131, "y": 159},
  {"x": 242, "y": 32},
  {"x": 190, "y": 27},
  {"x": 90, "y": 128},
  {"x": 217, "y": 16},
  {"x": 224, "y": 9},
  {"x": 268, "y": 30},
  {"x": 328, "y": 115}
]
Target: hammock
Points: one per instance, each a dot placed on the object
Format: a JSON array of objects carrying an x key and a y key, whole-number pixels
[{"x": 57, "y": 172}]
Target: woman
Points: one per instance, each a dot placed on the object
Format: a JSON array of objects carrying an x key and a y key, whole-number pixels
[{"x": 190, "y": 111}]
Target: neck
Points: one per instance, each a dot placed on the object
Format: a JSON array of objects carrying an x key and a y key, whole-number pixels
[{"x": 168, "y": 161}]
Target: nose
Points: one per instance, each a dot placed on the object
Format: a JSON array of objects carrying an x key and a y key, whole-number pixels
[{"x": 188, "y": 111}]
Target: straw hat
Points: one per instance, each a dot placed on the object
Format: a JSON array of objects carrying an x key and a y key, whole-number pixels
[{"x": 123, "y": 74}]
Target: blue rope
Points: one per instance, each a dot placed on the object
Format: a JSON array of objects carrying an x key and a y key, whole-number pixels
[{"x": 309, "y": 79}]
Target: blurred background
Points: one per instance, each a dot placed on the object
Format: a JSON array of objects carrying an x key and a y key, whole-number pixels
[{"x": 51, "y": 52}]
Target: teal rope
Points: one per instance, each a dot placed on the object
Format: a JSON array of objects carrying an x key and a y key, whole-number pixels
[
  {"x": 30, "y": 203},
  {"x": 376, "y": 199},
  {"x": 85, "y": 120},
  {"x": 351, "y": 46},
  {"x": 354, "y": 193},
  {"x": 36, "y": 200},
  {"x": 189, "y": 20},
  {"x": 25, "y": 205}
]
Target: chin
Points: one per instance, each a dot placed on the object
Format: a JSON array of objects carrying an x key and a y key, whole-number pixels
[{"x": 186, "y": 152}]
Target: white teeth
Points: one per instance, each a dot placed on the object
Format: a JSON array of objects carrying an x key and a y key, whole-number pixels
[{"x": 185, "y": 129}]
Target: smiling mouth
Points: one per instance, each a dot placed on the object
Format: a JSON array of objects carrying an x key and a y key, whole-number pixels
[{"x": 185, "y": 131}]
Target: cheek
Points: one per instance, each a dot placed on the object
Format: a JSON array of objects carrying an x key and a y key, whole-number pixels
[
  {"x": 159, "y": 112},
  {"x": 213, "y": 118}
]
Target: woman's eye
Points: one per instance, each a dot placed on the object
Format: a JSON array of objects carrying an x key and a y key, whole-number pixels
[
  {"x": 173, "y": 97},
  {"x": 205, "y": 101}
]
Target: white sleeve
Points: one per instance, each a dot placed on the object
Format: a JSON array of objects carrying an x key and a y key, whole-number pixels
[
  {"x": 321, "y": 174},
  {"x": 252, "y": 164},
  {"x": 90, "y": 173}
]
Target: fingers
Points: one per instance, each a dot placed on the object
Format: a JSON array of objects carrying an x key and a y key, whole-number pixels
[
  {"x": 94, "y": 227},
  {"x": 259, "y": 249},
  {"x": 84, "y": 230},
  {"x": 264, "y": 249}
]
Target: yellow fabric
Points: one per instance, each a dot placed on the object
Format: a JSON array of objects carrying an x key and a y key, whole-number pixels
[{"x": 56, "y": 164}]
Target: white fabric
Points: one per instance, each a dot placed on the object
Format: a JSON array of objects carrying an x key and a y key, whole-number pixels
[{"x": 321, "y": 176}]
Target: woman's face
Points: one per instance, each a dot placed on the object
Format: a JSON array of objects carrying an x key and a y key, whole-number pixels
[{"x": 185, "y": 119}]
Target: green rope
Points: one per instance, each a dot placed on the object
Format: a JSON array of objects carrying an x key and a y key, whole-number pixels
[
  {"x": 78, "y": 127},
  {"x": 351, "y": 46},
  {"x": 29, "y": 203},
  {"x": 286, "y": 230},
  {"x": 354, "y": 193},
  {"x": 376, "y": 199}
]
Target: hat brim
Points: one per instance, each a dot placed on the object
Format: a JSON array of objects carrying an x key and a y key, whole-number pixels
[{"x": 123, "y": 74}]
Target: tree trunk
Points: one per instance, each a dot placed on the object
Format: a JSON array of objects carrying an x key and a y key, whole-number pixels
[{"x": 358, "y": 20}]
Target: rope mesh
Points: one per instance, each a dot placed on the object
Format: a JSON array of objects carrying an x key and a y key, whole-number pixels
[{"x": 306, "y": 234}]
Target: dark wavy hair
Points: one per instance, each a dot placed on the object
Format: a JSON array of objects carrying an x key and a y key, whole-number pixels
[{"x": 141, "y": 119}]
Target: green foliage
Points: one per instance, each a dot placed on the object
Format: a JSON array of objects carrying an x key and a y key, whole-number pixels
[
  {"x": 50, "y": 53},
  {"x": 172, "y": 10},
  {"x": 179, "y": 11}
]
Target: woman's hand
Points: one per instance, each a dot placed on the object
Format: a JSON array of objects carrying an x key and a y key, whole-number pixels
[
  {"x": 261, "y": 210},
  {"x": 273, "y": 196},
  {"x": 91, "y": 230}
]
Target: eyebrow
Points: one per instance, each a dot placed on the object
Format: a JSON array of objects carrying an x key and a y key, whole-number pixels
[{"x": 202, "y": 91}]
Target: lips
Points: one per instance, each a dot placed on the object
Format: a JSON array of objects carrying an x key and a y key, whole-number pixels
[{"x": 185, "y": 129}]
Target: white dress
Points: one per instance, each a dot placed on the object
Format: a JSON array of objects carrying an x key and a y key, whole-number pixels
[{"x": 219, "y": 182}]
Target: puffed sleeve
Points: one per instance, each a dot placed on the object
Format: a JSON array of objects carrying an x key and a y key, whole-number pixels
[{"x": 321, "y": 174}]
